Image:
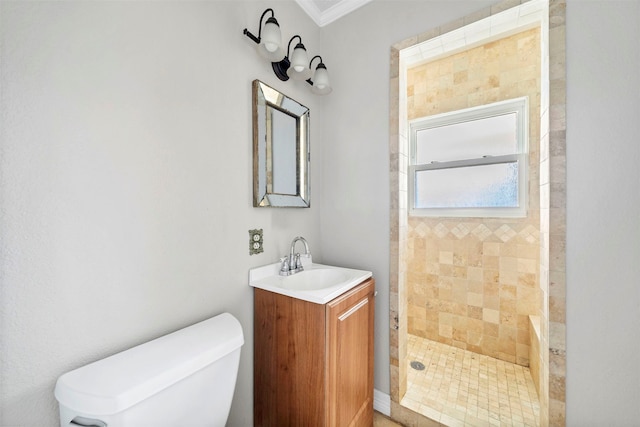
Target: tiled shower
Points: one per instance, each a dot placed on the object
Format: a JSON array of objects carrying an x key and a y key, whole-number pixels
[
  {"x": 473, "y": 283},
  {"x": 548, "y": 339}
]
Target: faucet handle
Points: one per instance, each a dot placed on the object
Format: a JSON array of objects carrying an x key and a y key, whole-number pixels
[
  {"x": 298, "y": 266},
  {"x": 284, "y": 268}
]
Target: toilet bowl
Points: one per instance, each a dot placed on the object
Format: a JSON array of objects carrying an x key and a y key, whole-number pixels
[{"x": 186, "y": 378}]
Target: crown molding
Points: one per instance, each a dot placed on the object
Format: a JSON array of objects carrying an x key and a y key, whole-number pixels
[{"x": 322, "y": 18}]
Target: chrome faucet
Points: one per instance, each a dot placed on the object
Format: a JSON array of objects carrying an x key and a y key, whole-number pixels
[{"x": 292, "y": 263}]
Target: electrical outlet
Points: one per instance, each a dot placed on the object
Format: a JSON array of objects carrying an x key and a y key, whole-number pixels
[{"x": 255, "y": 242}]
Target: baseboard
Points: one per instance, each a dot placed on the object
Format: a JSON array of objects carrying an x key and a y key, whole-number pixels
[{"x": 382, "y": 402}]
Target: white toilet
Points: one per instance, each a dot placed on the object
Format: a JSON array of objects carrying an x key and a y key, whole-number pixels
[{"x": 186, "y": 378}]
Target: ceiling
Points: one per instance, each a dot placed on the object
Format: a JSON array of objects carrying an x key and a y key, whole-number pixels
[{"x": 324, "y": 12}]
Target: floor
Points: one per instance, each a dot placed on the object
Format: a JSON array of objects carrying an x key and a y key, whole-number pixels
[
  {"x": 380, "y": 420},
  {"x": 461, "y": 388}
]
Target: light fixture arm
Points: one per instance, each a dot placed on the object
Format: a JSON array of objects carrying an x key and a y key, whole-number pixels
[
  {"x": 251, "y": 36},
  {"x": 317, "y": 56},
  {"x": 311, "y": 62},
  {"x": 282, "y": 68},
  {"x": 320, "y": 83},
  {"x": 289, "y": 45}
]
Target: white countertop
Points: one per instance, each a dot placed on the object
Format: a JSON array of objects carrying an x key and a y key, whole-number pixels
[{"x": 320, "y": 284}]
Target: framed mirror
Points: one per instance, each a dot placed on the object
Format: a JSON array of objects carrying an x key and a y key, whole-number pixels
[{"x": 280, "y": 149}]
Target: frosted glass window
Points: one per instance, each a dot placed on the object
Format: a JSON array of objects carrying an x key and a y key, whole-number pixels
[
  {"x": 484, "y": 186},
  {"x": 470, "y": 162}
]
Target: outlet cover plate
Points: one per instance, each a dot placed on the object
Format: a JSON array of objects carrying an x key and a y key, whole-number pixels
[{"x": 255, "y": 242}]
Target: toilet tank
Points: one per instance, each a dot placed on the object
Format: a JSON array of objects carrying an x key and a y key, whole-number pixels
[{"x": 186, "y": 378}]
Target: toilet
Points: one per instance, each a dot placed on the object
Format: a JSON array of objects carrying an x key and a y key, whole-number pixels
[{"x": 186, "y": 378}]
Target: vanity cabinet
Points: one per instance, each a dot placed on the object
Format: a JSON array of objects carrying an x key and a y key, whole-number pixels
[{"x": 313, "y": 363}]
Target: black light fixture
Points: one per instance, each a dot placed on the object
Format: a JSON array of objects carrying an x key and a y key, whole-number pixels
[
  {"x": 269, "y": 42},
  {"x": 296, "y": 68},
  {"x": 320, "y": 83}
]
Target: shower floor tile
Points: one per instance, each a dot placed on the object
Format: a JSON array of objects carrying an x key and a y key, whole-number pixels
[{"x": 462, "y": 388}]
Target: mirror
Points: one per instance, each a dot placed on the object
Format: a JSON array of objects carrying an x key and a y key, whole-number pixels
[{"x": 280, "y": 149}]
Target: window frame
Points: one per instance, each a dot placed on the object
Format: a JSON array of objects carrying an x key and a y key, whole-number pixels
[{"x": 520, "y": 106}]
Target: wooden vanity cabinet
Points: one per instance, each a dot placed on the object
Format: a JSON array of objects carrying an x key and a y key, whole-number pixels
[{"x": 313, "y": 363}]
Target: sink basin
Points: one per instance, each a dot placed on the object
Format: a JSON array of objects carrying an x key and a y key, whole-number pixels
[
  {"x": 318, "y": 283},
  {"x": 310, "y": 280}
]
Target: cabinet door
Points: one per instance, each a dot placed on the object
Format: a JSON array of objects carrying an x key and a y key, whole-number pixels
[
  {"x": 289, "y": 359},
  {"x": 350, "y": 320}
]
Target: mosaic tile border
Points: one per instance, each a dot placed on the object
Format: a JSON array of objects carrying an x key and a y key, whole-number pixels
[{"x": 527, "y": 233}]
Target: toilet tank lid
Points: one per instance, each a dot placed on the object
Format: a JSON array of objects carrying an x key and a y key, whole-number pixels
[{"x": 118, "y": 382}]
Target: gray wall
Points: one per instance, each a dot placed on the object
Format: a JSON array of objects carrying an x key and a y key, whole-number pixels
[
  {"x": 603, "y": 206},
  {"x": 603, "y": 183},
  {"x": 126, "y": 182},
  {"x": 125, "y": 169}
]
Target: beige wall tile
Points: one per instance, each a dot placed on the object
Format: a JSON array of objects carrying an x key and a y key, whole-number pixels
[
  {"x": 551, "y": 282},
  {"x": 479, "y": 274}
]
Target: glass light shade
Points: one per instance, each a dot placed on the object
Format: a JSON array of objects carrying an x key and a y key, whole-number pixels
[
  {"x": 299, "y": 60},
  {"x": 321, "y": 84},
  {"x": 270, "y": 46}
]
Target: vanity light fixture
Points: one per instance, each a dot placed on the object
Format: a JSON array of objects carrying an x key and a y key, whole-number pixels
[
  {"x": 296, "y": 68},
  {"x": 284, "y": 66},
  {"x": 320, "y": 83},
  {"x": 269, "y": 43}
]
